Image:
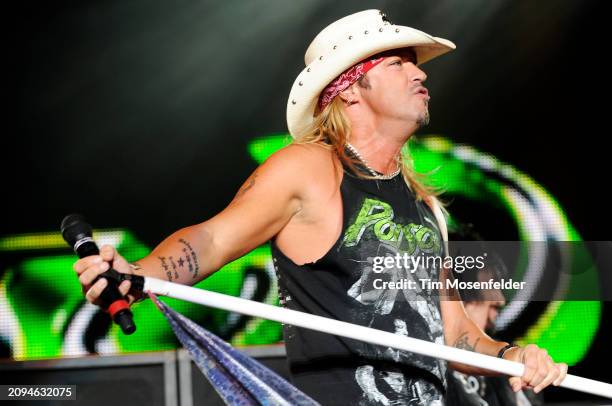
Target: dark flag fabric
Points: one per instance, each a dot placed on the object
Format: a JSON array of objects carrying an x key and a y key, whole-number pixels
[{"x": 237, "y": 378}]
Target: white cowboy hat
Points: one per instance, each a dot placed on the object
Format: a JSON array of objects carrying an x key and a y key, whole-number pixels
[{"x": 344, "y": 43}]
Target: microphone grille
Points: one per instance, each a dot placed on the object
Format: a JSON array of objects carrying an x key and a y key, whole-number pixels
[{"x": 74, "y": 227}]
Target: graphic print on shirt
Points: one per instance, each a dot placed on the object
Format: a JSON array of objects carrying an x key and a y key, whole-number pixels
[
  {"x": 472, "y": 387},
  {"x": 410, "y": 312},
  {"x": 392, "y": 387}
]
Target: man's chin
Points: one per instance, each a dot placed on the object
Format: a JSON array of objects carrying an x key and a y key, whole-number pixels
[{"x": 423, "y": 120}]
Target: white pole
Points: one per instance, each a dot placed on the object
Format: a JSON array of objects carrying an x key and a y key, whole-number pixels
[{"x": 367, "y": 334}]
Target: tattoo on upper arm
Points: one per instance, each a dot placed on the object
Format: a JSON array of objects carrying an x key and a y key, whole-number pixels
[
  {"x": 248, "y": 185},
  {"x": 463, "y": 343}
]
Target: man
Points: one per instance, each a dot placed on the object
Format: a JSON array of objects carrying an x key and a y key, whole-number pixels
[
  {"x": 333, "y": 202},
  {"x": 483, "y": 307}
]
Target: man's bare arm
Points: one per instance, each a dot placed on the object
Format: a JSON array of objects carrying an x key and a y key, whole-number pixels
[
  {"x": 262, "y": 207},
  {"x": 461, "y": 332}
]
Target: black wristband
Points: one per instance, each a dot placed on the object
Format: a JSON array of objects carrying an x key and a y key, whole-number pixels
[{"x": 503, "y": 350}]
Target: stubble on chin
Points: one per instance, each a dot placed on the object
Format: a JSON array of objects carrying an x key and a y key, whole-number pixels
[{"x": 423, "y": 119}]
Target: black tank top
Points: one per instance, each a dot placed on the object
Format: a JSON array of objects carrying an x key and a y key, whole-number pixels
[{"x": 381, "y": 218}]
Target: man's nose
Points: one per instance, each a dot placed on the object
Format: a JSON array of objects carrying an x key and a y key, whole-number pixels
[{"x": 418, "y": 75}]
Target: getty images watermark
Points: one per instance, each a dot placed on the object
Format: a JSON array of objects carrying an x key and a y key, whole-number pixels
[{"x": 416, "y": 266}]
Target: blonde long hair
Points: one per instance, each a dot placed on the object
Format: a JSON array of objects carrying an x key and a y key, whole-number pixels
[{"x": 331, "y": 129}]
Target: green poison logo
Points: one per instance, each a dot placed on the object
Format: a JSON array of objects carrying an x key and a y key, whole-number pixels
[{"x": 377, "y": 216}]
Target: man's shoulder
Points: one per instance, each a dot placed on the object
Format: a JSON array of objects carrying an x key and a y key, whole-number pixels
[{"x": 303, "y": 159}]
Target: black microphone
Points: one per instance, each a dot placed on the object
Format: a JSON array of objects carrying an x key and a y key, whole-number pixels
[{"x": 77, "y": 233}]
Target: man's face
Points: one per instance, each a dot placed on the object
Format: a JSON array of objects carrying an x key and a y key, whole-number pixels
[
  {"x": 484, "y": 313},
  {"x": 394, "y": 89}
]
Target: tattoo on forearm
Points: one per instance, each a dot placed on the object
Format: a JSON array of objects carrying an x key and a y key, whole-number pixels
[
  {"x": 173, "y": 264},
  {"x": 463, "y": 343},
  {"x": 164, "y": 265},
  {"x": 191, "y": 258},
  {"x": 249, "y": 184}
]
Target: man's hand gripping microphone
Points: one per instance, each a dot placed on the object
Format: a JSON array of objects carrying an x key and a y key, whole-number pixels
[{"x": 77, "y": 233}]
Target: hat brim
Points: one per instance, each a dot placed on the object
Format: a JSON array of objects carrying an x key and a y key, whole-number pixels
[{"x": 312, "y": 80}]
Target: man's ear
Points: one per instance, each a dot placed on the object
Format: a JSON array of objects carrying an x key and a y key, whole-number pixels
[{"x": 348, "y": 95}]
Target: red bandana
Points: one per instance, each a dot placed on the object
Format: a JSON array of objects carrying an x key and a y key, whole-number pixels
[{"x": 347, "y": 78}]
